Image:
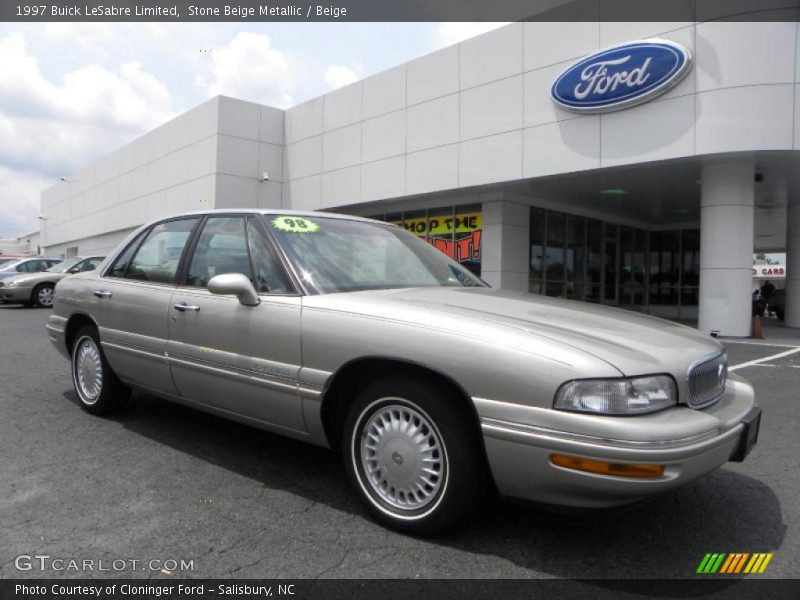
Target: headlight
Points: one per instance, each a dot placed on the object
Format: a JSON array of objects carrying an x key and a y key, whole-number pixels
[
  {"x": 632, "y": 396},
  {"x": 11, "y": 283}
]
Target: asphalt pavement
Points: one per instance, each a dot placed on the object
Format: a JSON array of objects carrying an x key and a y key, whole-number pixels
[{"x": 163, "y": 483}]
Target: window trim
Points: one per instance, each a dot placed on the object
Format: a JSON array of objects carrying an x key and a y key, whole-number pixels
[
  {"x": 140, "y": 238},
  {"x": 280, "y": 259},
  {"x": 191, "y": 247},
  {"x": 137, "y": 240}
]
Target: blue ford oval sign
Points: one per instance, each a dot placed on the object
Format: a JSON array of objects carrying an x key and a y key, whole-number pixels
[{"x": 621, "y": 76}]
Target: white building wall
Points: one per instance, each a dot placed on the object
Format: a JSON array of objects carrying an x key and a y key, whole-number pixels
[
  {"x": 480, "y": 112},
  {"x": 211, "y": 156},
  {"x": 169, "y": 170},
  {"x": 250, "y": 142},
  {"x": 475, "y": 113}
]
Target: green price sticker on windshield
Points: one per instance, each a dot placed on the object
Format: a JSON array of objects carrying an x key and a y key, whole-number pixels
[{"x": 290, "y": 224}]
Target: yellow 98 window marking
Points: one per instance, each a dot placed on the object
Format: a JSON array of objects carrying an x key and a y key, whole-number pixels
[{"x": 292, "y": 224}]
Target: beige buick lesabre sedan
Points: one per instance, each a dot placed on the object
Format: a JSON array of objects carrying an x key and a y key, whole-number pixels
[{"x": 355, "y": 334}]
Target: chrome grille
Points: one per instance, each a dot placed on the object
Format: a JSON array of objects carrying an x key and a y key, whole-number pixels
[{"x": 707, "y": 380}]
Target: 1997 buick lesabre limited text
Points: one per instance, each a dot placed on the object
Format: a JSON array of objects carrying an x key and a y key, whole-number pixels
[{"x": 437, "y": 389}]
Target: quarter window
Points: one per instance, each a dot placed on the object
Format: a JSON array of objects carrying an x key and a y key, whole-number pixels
[
  {"x": 158, "y": 257},
  {"x": 221, "y": 248}
]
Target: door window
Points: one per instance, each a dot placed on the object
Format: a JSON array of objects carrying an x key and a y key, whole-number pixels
[
  {"x": 32, "y": 266},
  {"x": 270, "y": 276},
  {"x": 158, "y": 257},
  {"x": 221, "y": 248}
]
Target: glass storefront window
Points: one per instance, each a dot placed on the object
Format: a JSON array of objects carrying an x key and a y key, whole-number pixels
[
  {"x": 664, "y": 267},
  {"x": 575, "y": 257},
  {"x": 594, "y": 253},
  {"x": 554, "y": 250},
  {"x": 690, "y": 249},
  {"x": 536, "y": 276},
  {"x": 586, "y": 259}
]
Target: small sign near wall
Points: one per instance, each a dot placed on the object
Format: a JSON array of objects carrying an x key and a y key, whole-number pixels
[
  {"x": 621, "y": 76},
  {"x": 769, "y": 272}
]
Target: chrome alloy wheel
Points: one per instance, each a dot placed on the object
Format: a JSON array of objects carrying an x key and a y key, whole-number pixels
[
  {"x": 44, "y": 296},
  {"x": 88, "y": 370},
  {"x": 402, "y": 459}
]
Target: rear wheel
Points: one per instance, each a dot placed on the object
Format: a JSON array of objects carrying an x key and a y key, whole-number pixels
[
  {"x": 413, "y": 455},
  {"x": 43, "y": 295},
  {"x": 98, "y": 388}
]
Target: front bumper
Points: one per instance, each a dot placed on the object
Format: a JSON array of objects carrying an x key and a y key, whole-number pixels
[
  {"x": 15, "y": 294},
  {"x": 519, "y": 442},
  {"x": 56, "y": 332}
]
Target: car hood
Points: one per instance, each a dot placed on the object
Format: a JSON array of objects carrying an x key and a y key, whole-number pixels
[{"x": 632, "y": 342}]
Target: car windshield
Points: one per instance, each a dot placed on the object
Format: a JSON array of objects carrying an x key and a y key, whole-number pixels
[
  {"x": 6, "y": 261},
  {"x": 64, "y": 265},
  {"x": 339, "y": 255}
]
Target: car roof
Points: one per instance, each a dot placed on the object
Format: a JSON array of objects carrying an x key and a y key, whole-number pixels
[{"x": 270, "y": 211}]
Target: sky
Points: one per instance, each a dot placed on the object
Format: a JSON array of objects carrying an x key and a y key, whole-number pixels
[{"x": 73, "y": 92}]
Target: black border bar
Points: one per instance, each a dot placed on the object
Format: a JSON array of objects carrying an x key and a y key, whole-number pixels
[
  {"x": 396, "y": 10},
  {"x": 711, "y": 588}
]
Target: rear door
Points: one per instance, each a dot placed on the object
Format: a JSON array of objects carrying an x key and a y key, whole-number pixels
[
  {"x": 131, "y": 304},
  {"x": 235, "y": 358}
]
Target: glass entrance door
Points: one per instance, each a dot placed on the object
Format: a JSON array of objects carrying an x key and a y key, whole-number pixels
[{"x": 610, "y": 265}]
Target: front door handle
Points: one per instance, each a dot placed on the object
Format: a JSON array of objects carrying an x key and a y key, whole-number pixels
[
  {"x": 183, "y": 307},
  {"x": 102, "y": 294}
]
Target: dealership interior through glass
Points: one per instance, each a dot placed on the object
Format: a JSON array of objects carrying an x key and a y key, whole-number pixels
[
  {"x": 577, "y": 257},
  {"x": 586, "y": 259}
]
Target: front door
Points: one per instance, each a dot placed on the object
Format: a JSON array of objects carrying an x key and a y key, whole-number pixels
[
  {"x": 235, "y": 358},
  {"x": 131, "y": 303}
]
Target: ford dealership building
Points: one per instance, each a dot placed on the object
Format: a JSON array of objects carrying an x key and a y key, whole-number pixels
[{"x": 637, "y": 165}]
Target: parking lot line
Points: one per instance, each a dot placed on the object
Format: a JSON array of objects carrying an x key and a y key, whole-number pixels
[
  {"x": 756, "y": 343},
  {"x": 763, "y": 360}
]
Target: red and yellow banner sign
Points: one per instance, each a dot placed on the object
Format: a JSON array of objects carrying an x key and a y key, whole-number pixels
[
  {"x": 458, "y": 236},
  {"x": 445, "y": 225}
]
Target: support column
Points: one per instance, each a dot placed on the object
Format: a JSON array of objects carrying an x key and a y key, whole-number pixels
[
  {"x": 504, "y": 245},
  {"x": 726, "y": 247},
  {"x": 792, "y": 317}
]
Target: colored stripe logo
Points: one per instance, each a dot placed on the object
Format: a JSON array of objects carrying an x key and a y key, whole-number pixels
[{"x": 734, "y": 562}]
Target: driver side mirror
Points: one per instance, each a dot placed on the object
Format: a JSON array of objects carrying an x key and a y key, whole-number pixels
[
  {"x": 234, "y": 284},
  {"x": 73, "y": 270}
]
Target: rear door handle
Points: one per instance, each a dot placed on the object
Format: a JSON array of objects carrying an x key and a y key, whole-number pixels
[
  {"x": 183, "y": 307},
  {"x": 102, "y": 294}
]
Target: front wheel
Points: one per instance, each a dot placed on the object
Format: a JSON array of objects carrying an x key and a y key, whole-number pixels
[
  {"x": 43, "y": 295},
  {"x": 413, "y": 454},
  {"x": 98, "y": 389}
]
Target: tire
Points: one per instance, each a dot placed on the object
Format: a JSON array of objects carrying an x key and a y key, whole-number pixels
[
  {"x": 456, "y": 481},
  {"x": 97, "y": 387},
  {"x": 43, "y": 295}
]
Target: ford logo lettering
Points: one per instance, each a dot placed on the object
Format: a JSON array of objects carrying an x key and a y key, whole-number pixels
[{"x": 621, "y": 76}]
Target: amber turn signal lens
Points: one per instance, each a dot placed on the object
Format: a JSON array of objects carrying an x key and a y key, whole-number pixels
[{"x": 607, "y": 468}]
